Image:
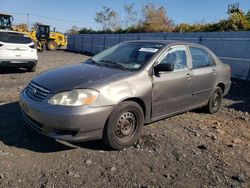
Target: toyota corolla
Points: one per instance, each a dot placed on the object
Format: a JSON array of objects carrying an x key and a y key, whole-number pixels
[{"x": 113, "y": 94}]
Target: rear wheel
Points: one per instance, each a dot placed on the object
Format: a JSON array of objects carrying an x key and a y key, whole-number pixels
[
  {"x": 32, "y": 68},
  {"x": 214, "y": 102},
  {"x": 124, "y": 126},
  {"x": 52, "y": 45}
]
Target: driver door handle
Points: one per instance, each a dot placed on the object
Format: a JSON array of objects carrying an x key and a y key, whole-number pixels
[{"x": 188, "y": 76}]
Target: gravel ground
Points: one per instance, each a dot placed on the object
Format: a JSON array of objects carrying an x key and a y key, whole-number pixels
[{"x": 193, "y": 149}]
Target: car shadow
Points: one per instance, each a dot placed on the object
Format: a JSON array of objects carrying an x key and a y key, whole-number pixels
[
  {"x": 240, "y": 95},
  {"x": 93, "y": 145},
  {"x": 15, "y": 132},
  {"x": 11, "y": 70}
]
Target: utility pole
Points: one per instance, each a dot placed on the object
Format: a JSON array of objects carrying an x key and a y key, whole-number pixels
[{"x": 28, "y": 21}]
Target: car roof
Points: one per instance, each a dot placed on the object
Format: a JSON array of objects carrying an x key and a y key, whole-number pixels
[
  {"x": 165, "y": 42},
  {"x": 9, "y": 31}
]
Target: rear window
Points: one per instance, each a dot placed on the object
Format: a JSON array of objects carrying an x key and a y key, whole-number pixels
[{"x": 14, "y": 38}]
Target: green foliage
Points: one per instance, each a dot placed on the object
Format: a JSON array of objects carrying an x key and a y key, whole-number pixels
[
  {"x": 248, "y": 15},
  {"x": 237, "y": 21},
  {"x": 20, "y": 27}
]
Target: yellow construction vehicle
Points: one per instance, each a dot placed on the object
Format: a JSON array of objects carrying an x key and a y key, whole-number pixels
[
  {"x": 5, "y": 21},
  {"x": 41, "y": 35},
  {"x": 44, "y": 38}
]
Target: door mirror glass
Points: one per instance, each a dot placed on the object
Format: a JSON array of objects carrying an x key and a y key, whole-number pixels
[{"x": 163, "y": 67}]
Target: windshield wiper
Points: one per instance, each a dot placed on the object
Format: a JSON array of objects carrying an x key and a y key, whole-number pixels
[
  {"x": 114, "y": 64},
  {"x": 91, "y": 61}
]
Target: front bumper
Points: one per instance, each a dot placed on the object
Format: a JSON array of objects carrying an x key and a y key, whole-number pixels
[
  {"x": 73, "y": 124},
  {"x": 18, "y": 62}
]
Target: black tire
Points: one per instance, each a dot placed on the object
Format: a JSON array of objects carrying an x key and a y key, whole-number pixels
[
  {"x": 214, "y": 102},
  {"x": 52, "y": 45},
  {"x": 32, "y": 68},
  {"x": 124, "y": 125}
]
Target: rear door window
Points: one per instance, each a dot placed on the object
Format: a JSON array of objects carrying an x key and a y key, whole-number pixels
[
  {"x": 200, "y": 58},
  {"x": 17, "y": 38}
]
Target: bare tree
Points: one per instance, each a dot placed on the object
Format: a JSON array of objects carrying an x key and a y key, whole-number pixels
[
  {"x": 74, "y": 30},
  {"x": 155, "y": 19},
  {"x": 108, "y": 18},
  {"x": 130, "y": 15}
]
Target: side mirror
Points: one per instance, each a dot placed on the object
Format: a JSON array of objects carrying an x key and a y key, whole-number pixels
[{"x": 164, "y": 67}]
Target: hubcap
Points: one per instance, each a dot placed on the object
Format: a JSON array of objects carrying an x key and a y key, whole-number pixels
[
  {"x": 216, "y": 100},
  {"x": 126, "y": 125},
  {"x": 52, "y": 46}
]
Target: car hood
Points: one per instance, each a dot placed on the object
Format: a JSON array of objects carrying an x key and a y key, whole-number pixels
[{"x": 78, "y": 76}]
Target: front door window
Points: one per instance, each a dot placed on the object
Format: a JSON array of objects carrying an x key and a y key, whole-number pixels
[{"x": 176, "y": 56}]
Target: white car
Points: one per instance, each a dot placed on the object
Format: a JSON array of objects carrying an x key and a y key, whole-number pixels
[{"x": 17, "y": 50}]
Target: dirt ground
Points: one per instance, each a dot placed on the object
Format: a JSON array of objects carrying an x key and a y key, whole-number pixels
[{"x": 193, "y": 149}]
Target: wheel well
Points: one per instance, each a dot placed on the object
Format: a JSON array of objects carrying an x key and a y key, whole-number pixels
[
  {"x": 140, "y": 102},
  {"x": 222, "y": 86}
]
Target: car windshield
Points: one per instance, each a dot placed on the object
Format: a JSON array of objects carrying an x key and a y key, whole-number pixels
[
  {"x": 9, "y": 37},
  {"x": 126, "y": 56}
]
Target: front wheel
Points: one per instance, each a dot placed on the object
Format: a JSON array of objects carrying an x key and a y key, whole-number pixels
[
  {"x": 214, "y": 102},
  {"x": 52, "y": 45},
  {"x": 124, "y": 125}
]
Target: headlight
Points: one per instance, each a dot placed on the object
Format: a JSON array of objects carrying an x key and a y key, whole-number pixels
[{"x": 77, "y": 97}]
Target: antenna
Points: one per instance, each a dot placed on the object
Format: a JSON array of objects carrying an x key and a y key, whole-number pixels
[{"x": 235, "y": 7}]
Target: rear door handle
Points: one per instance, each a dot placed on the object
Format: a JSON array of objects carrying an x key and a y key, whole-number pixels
[{"x": 188, "y": 76}]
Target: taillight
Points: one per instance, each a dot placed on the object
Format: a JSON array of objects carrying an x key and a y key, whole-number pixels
[{"x": 32, "y": 46}]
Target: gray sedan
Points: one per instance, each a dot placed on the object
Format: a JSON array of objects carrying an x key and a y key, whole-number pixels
[{"x": 113, "y": 94}]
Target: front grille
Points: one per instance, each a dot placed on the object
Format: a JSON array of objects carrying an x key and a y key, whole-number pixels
[{"x": 36, "y": 92}]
